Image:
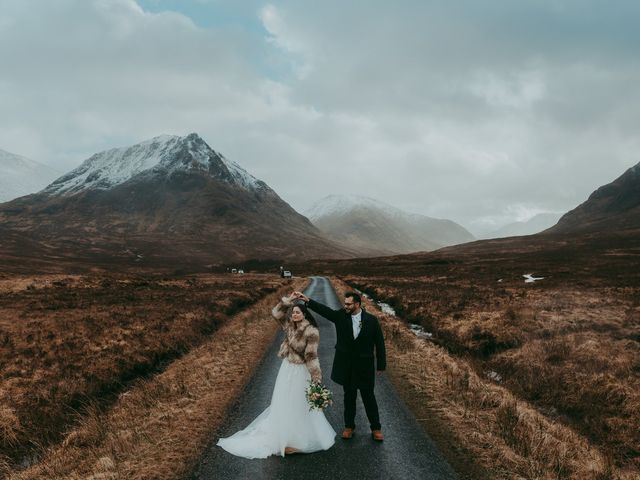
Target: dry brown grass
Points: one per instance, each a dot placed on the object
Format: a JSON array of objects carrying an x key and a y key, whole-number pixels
[
  {"x": 158, "y": 428},
  {"x": 69, "y": 345},
  {"x": 508, "y": 436},
  {"x": 572, "y": 352}
]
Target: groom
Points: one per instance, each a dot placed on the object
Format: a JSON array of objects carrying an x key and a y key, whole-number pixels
[{"x": 358, "y": 333}]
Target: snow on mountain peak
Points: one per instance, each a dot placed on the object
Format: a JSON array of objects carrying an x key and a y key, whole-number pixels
[
  {"x": 160, "y": 155},
  {"x": 21, "y": 176},
  {"x": 341, "y": 204},
  {"x": 15, "y": 162},
  {"x": 240, "y": 175}
]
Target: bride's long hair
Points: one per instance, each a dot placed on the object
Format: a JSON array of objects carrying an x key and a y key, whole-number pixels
[{"x": 305, "y": 311}]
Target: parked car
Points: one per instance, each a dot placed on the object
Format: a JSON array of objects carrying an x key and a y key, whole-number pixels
[{"x": 286, "y": 274}]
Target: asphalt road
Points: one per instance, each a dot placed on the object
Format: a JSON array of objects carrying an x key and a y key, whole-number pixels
[{"x": 406, "y": 453}]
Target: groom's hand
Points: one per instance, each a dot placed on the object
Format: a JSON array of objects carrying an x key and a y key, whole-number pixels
[{"x": 301, "y": 296}]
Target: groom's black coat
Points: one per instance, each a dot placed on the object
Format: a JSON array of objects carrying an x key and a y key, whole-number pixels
[{"x": 353, "y": 364}]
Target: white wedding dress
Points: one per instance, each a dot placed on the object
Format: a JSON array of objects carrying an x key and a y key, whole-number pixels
[{"x": 286, "y": 422}]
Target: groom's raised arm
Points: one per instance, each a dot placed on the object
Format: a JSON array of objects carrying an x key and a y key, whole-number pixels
[{"x": 326, "y": 312}]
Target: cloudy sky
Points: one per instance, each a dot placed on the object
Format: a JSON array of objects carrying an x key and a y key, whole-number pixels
[{"x": 483, "y": 112}]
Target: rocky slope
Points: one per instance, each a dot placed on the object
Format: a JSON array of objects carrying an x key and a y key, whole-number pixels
[{"x": 612, "y": 207}]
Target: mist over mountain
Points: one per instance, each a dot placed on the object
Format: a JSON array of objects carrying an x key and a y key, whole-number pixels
[
  {"x": 21, "y": 176},
  {"x": 535, "y": 224},
  {"x": 367, "y": 224},
  {"x": 169, "y": 199}
]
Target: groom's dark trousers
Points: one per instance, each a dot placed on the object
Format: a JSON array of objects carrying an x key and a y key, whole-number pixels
[
  {"x": 355, "y": 364},
  {"x": 370, "y": 406}
]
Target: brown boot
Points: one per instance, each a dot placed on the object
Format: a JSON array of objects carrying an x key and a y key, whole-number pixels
[
  {"x": 347, "y": 433},
  {"x": 377, "y": 435}
]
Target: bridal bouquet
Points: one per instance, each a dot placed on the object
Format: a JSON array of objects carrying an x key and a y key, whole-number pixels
[{"x": 319, "y": 397}]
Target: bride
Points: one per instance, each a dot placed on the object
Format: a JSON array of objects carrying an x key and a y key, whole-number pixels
[{"x": 287, "y": 425}]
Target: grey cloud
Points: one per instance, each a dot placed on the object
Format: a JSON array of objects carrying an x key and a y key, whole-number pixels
[
  {"x": 427, "y": 61},
  {"x": 475, "y": 111},
  {"x": 108, "y": 71}
]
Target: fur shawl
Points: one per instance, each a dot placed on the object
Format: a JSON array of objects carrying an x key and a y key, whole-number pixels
[{"x": 300, "y": 344}]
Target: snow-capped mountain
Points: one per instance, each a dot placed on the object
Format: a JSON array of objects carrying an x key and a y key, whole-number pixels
[
  {"x": 166, "y": 201},
  {"x": 332, "y": 205},
  {"x": 162, "y": 155},
  {"x": 21, "y": 176},
  {"x": 368, "y": 224}
]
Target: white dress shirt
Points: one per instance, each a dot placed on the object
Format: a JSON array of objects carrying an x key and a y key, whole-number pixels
[{"x": 356, "y": 321}]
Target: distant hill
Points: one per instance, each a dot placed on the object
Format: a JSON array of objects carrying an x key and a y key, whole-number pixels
[
  {"x": 612, "y": 207},
  {"x": 21, "y": 176},
  {"x": 166, "y": 200},
  {"x": 368, "y": 225},
  {"x": 536, "y": 224}
]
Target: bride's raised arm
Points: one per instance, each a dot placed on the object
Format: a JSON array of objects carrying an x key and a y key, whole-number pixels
[{"x": 279, "y": 312}]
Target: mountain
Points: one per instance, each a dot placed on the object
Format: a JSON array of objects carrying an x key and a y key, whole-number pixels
[
  {"x": 536, "y": 224},
  {"x": 20, "y": 176},
  {"x": 612, "y": 207},
  {"x": 169, "y": 200},
  {"x": 369, "y": 225}
]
